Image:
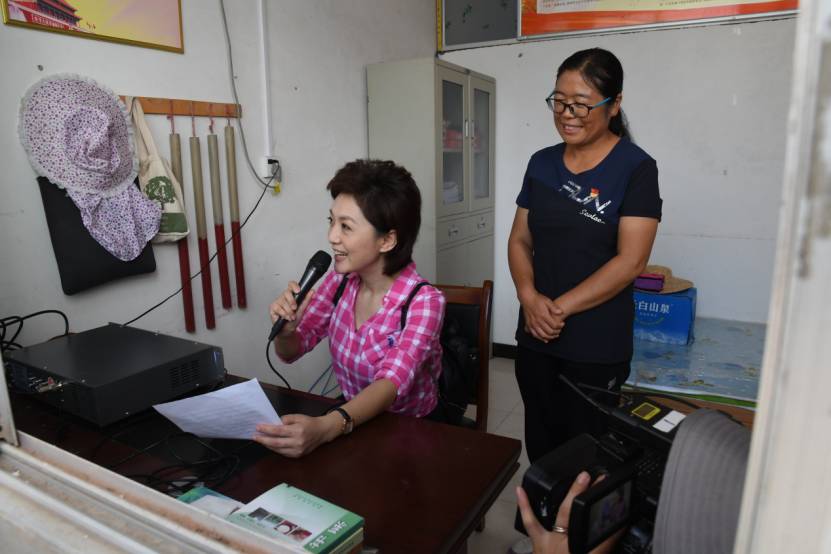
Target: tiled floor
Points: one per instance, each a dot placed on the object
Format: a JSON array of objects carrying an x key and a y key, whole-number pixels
[{"x": 505, "y": 418}]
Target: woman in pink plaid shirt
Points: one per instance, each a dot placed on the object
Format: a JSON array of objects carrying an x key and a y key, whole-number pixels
[{"x": 373, "y": 224}]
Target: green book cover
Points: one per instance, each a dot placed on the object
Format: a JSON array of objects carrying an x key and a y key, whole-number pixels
[
  {"x": 285, "y": 511},
  {"x": 350, "y": 542}
]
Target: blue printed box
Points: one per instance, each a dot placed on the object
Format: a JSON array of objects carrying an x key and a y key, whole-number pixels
[{"x": 665, "y": 317}]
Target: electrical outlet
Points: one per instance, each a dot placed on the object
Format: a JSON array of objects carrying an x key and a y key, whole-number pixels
[{"x": 267, "y": 169}]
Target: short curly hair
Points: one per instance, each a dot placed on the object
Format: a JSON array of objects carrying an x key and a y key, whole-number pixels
[{"x": 389, "y": 199}]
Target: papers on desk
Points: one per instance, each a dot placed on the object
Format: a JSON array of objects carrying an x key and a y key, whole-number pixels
[{"x": 229, "y": 413}]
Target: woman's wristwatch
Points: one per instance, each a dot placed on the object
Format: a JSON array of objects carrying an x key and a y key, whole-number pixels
[{"x": 348, "y": 422}]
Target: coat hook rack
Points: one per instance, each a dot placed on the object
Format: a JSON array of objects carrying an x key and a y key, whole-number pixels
[{"x": 166, "y": 106}]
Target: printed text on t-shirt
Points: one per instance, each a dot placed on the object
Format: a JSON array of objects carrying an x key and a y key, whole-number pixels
[{"x": 574, "y": 192}]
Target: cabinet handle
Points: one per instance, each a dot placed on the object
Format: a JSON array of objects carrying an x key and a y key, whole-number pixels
[
  {"x": 481, "y": 225},
  {"x": 467, "y": 134},
  {"x": 452, "y": 231}
]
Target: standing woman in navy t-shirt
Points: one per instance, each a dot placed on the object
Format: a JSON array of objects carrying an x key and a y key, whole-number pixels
[{"x": 585, "y": 222}]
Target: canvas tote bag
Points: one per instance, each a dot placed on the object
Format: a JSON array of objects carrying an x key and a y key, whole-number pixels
[{"x": 157, "y": 181}]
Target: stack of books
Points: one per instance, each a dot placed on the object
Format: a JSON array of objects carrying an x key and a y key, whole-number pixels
[{"x": 287, "y": 513}]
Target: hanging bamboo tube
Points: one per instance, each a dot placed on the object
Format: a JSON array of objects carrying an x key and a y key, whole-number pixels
[
  {"x": 219, "y": 225},
  {"x": 201, "y": 231},
  {"x": 233, "y": 201},
  {"x": 182, "y": 244}
]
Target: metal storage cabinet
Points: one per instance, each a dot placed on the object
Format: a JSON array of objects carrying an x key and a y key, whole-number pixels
[{"x": 437, "y": 120}]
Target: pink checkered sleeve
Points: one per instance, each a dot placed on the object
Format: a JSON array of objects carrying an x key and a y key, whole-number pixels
[
  {"x": 417, "y": 343},
  {"x": 314, "y": 326}
]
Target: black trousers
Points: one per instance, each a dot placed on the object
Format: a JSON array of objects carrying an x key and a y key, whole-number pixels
[{"x": 554, "y": 413}]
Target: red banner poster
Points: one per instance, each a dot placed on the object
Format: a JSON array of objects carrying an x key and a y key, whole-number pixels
[{"x": 545, "y": 17}]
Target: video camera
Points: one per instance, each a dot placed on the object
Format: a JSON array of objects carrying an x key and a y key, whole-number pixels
[{"x": 630, "y": 455}]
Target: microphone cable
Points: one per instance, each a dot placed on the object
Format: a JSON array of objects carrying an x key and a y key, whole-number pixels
[{"x": 274, "y": 369}]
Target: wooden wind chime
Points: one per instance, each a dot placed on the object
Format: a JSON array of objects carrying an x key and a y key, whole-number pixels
[{"x": 194, "y": 109}]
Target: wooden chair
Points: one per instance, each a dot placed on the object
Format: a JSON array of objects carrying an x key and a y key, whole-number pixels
[{"x": 471, "y": 308}]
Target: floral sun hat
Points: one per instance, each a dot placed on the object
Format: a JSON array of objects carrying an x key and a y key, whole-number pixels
[{"x": 77, "y": 134}]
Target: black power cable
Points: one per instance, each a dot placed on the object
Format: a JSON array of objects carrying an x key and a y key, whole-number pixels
[
  {"x": 6, "y": 322},
  {"x": 207, "y": 264},
  {"x": 640, "y": 392}
]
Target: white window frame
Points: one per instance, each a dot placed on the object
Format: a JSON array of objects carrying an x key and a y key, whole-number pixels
[{"x": 785, "y": 507}]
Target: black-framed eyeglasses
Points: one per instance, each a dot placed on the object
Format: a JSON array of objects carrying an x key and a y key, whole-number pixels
[{"x": 577, "y": 109}]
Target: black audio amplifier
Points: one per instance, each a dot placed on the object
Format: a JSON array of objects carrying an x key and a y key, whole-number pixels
[{"x": 111, "y": 372}]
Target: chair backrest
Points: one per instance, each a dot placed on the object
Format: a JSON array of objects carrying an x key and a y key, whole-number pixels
[{"x": 470, "y": 307}]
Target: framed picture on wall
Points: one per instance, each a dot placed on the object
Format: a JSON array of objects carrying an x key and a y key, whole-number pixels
[
  {"x": 556, "y": 17},
  {"x": 148, "y": 23}
]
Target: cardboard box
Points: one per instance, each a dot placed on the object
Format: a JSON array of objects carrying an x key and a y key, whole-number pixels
[{"x": 665, "y": 318}]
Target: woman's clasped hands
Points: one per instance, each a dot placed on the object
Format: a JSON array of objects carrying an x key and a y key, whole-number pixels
[{"x": 544, "y": 318}]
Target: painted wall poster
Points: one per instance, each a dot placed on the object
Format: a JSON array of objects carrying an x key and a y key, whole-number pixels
[
  {"x": 149, "y": 23},
  {"x": 546, "y": 17}
]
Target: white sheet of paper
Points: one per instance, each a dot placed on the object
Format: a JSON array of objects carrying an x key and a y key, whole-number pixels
[{"x": 229, "y": 413}]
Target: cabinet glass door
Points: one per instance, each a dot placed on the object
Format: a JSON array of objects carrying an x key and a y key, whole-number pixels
[
  {"x": 452, "y": 194},
  {"x": 482, "y": 144}
]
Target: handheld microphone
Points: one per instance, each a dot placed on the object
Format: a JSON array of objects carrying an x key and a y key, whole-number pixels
[{"x": 314, "y": 270}]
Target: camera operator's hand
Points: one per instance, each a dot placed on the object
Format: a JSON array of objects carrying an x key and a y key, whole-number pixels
[{"x": 550, "y": 542}]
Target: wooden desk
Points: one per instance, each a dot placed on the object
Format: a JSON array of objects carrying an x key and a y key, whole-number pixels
[{"x": 421, "y": 486}]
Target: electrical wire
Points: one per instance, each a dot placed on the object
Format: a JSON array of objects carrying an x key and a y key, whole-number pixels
[
  {"x": 211, "y": 465},
  {"x": 619, "y": 394},
  {"x": 679, "y": 399},
  {"x": 18, "y": 320},
  {"x": 209, "y": 476},
  {"x": 236, "y": 98},
  {"x": 144, "y": 450},
  {"x": 211, "y": 471},
  {"x": 328, "y": 377},
  {"x": 606, "y": 409},
  {"x": 181, "y": 484},
  {"x": 330, "y": 391},
  {"x": 139, "y": 418},
  {"x": 325, "y": 372},
  {"x": 265, "y": 183},
  {"x": 639, "y": 392},
  {"x": 274, "y": 369},
  {"x": 204, "y": 267}
]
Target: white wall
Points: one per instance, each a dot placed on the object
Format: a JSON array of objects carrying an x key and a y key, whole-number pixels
[
  {"x": 710, "y": 105},
  {"x": 318, "y": 52}
]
